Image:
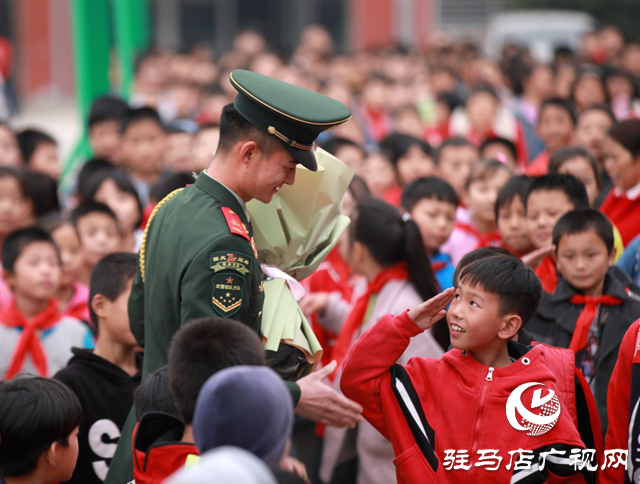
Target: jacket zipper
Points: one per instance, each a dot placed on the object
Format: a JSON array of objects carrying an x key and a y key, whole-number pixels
[{"x": 481, "y": 406}]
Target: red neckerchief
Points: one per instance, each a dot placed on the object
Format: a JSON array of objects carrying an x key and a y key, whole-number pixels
[
  {"x": 29, "y": 341},
  {"x": 356, "y": 316},
  {"x": 484, "y": 240},
  {"x": 547, "y": 274},
  {"x": 439, "y": 265},
  {"x": 583, "y": 324}
]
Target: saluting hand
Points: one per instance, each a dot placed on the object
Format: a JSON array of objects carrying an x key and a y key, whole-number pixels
[{"x": 430, "y": 312}]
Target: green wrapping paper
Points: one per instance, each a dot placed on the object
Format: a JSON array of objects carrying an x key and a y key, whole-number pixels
[{"x": 295, "y": 232}]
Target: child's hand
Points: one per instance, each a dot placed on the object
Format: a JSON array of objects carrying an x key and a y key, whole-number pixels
[
  {"x": 533, "y": 259},
  {"x": 315, "y": 302},
  {"x": 290, "y": 464},
  {"x": 430, "y": 312}
]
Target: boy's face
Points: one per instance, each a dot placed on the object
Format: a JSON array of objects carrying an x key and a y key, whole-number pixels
[
  {"x": 143, "y": 146},
  {"x": 581, "y": 169},
  {"x": 415, "y": 164},
  {"x": 435, "y": 220},
  {"x": 583, "y": 260},
  {"x": 177, "y": 156},
  {"x": 66, "y": 238},
  {"x": 379, "y": 174},
  {"x": 204, "y": 148},
  {"x": 482, "y": 194},
  {"x": 455, "y": 164},
  {"x": 114, "y": 318},
  {"x": 544, "y": 209},
  {"x": 474, "y": 319},
  {"x": 45, "y": 160},
  {"x": 512, "y": 225},
  {"x": 353, "y": 157},
  {"x": 591, "y": 130},
  {"x": 99, "y": 236},
  {"x": 36, "y": 273},
  {"x": 15, "y": 209},
  {"x": 104, "y": 137},
  {"x": 555, "y": 127}
]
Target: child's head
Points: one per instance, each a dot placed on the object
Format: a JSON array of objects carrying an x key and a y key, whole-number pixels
[
  {"x": 347, "y": 151},
  {"x": 178, "y": 152},
  {"x": 31, "y": 264},
  {"x": 205, "y": 146},
  {"x": 99, "y": 232},
  {"x": 379, "y": 173},
  {"x": 455, "y": 158},
  {"x": 477, "y": 254},
  {"x": 511, "y": 219},
  {"x": 167, "y": 184},
  {"x": 109, "y": 292},
  {"x": 549, "y": 198},
  {"x": 482, "y": 107},
  {"x": 622, "y": 154},
  {"x": 39, "y": 152},
  {"x": 105, "y": 118},
  {"x": 358, "y": 191},
  {"x": 411, "y": 157},
  {"x": 65, "y": 235},
  {"x": 580, "y": 163},
  {"x": 432, "y": 204},
  {"x": 39, "y": 422},
  {"x": 204, "y": 347},
  {"x": 9, "y": 149},
  {"x": 15, "y": 205},
  {"x": 591, "y": 129},
  {"x": 143, "y": 141},
  {"x": 485, "y": 180},
  {"x": 584, "y": 249},
  {"x": 43, "y": 193},
  {"x": 588, "y": 89},
  {"x": 87, "y": 174},
  {"x": 495, "y": 296},
  {"x": 556, "y": 123},
  {"x": 154, "y": 395},
  {"x": 500, "y": 149},
  {"x": 115, "y": 189}
]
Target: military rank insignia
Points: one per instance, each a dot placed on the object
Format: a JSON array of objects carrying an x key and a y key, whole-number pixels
[
  {"x": 226, "y": 261},
  {"x": 235, "y": 224}
]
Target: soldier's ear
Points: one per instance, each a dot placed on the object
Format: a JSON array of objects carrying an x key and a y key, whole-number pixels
[{"x": 249, "y": 151}]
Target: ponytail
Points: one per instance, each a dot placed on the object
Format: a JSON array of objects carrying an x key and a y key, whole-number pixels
[{"x": 420, "y": 271}]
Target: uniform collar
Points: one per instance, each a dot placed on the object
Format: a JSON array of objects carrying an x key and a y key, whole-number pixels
[
  {"x": 612, "y": 287},
  {"x": 236, "y": 196},
  {"x": 226, "y": 196},
  {"x": 632, "y": 194}
]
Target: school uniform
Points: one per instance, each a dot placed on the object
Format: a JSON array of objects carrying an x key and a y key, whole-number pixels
[{"x": 623, "y": 209}]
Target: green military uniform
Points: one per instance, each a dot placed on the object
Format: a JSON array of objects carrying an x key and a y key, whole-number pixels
[{"x": 198, "y": 257}]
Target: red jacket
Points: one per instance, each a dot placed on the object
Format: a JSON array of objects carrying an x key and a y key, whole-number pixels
[
  {"x": 623, "y": 213},
  {"x": 460, "y": 402}
]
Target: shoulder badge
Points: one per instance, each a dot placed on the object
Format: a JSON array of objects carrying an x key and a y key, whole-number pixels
[
  {"x": 230, "y": 270},
  {"x": 235, "y": 224}
]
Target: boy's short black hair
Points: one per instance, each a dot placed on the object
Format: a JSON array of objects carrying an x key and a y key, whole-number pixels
[
  {"x": 42, "y": 190},
  {"x": 581, "y": 221},
  {"x": 107, "y": 108},
  {"x": 518, "y": 186},
  {"x": 477, "y": 254},
  {"x": 485, "y": 169},
  {"x": 86, "y": 173},
  {"x": 110, "y": 276},
  {"x": 569, "y": 185},
  {"x": 35, "y": 412},
  {"x": 517, "y": 286},
  {"x": 564, "y": 154},
  {"x": 455, "y": 142},
  {"x": 30, "y": 139},
  {"x": 501, "y": 141},
  {"x": 92, "y": 207},
  {"x": 204, "y": 347},
  {"x": 559, "y": 103},
  {"x": 398, "y": 145},
  {"x": 431, "y": 187},
  {"x": 154, "y": 395},
  {"x": 15, "y": 243},
  {"x": 136, "y": 115},
  {"x": 168, "y": 183},
  {"x": 603, "y": 108}
]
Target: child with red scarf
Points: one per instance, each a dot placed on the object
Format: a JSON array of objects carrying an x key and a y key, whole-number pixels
[
  {"x": 477, "y": 228},
  {"x": 34, "y": 336}
]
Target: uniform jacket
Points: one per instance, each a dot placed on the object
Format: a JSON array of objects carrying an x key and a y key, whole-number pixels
[
  {"x": 458, "y": 401},
  {"x": 623, "y": 210},
  {"x": 556, "y": 320},
  {"x": 105, "y": 392}
]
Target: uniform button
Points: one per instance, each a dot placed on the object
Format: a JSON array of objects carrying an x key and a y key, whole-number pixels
[{"x": 260, "y": 314}]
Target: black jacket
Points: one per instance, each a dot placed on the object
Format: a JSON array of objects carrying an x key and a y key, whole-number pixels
[
  {"x": 556, "y": 319},
  {"x": 106, "y": 395}
]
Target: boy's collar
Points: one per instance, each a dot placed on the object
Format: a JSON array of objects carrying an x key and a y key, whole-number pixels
[{"x": 613, "y": 286}]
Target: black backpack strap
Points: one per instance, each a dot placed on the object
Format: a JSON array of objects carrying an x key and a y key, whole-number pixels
[{"x": 414, "y": 414}]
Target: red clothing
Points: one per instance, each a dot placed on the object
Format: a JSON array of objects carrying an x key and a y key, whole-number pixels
[
  {"x": 463, "y": 402},
  {"x": 78, "y": 306},
  {"x": 539, "y": 166},
  {"x": 393, "y": 196},
  {"x": 548, "y": 275},
  {"x": 625, "y": 375},
  {"x": 623, "y": 213}
]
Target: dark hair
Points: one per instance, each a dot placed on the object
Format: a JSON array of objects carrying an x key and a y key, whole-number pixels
[
  {"x": 564, "y": 154},
  {"x": 626, "y": 134},
  {"x": 15, "y": 243},
  {"x": 477, "y": 254},
  {"x": 335, "y": 144},
  {"x": 52, "y": 222},
  {"x": 137, "y": 115},
  {"x": 455, "y": 142},
  {"x": 581, "y": 221},
  {"x": 91, "y": 207},
  {"x": 450, "y": 99},
  {"x": 35, "y": 412},
  {"x": 122, "y": 182},
  {"x": 569, "y": 185},
  {"x": 398, "y": 145},
  {"x": 501, "y": 141},
  {"x": 30, "y": 139},
  {"x": 559, "y": 103},
  {"x": 234, "y": 127},
  {"x": 154, "y": 395},
  {"x": 204, "y": 347},
  {"x": 110, "y": 276},
  {"x": 18, "y": 174},
  {"x": 603, "y": 108},
  {"x": 517, "y": 286},
  {"x": 168, "y": 183},
  {"x": 358, "y": 189},
  {"x": 518, "y": 186},
  {"x": 107, "y": 108},
  {"x": 43, "y": 192},
  {"x": 86, "y": 173},
  {"x": 485, "y": 169},
  {"x": 431, "y": 187}
]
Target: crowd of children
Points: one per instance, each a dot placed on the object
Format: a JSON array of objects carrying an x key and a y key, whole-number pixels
[{"x": 494, "y": 241}]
